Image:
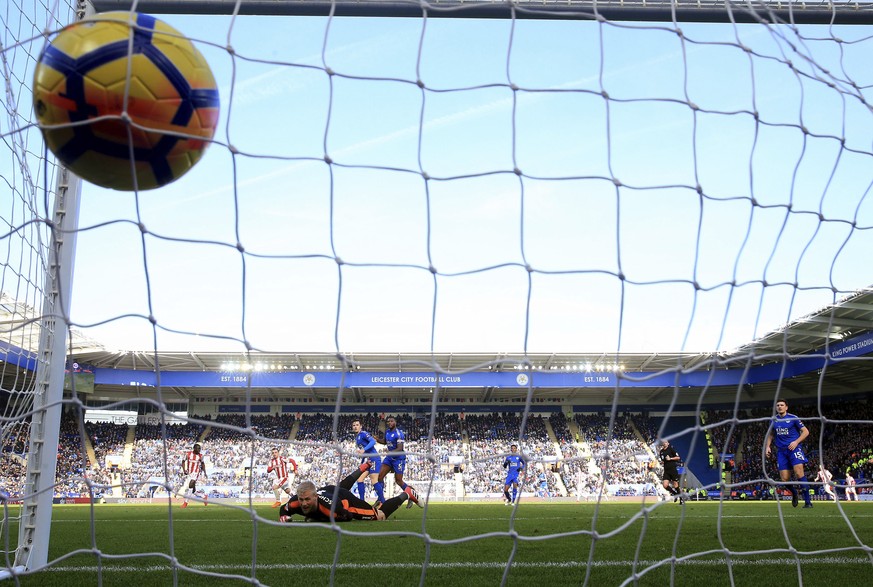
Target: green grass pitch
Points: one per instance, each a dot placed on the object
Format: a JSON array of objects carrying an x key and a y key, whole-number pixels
[{"x": 464, "y": 544}]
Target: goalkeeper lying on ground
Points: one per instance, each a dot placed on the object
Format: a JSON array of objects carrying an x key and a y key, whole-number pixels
[{"x": 338, "y": 503}]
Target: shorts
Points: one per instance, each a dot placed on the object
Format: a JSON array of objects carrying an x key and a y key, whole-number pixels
[
  {"x": 786, "y": 459},
  {"x": 395, "y": 463},
  {"x": 375, "y": 463},
  {"x": 671, "y": 475},
  {"x": 189, "y": 479},
  {"x": 510, "y": 479},
  {"x": 284, "y": 483}
]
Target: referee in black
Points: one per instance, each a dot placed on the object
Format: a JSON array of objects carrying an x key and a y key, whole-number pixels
[{"x": 670, "y": 459}]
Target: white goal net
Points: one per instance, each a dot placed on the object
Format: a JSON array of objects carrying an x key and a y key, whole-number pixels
[{"x": 579, "y": 228}]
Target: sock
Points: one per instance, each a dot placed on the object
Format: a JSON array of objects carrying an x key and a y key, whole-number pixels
[
  {"x": 276, "y": 493},
  {"x": 380, "y": 487},
  {"x": 506, "y": 494},
  {"x": 362, "y": 489},
  {"x": 390, "y": 506},
  {"x": 403, "y": 486},
  {"x": 514, "y": 493},
  {"x": 804, "y": 485}
]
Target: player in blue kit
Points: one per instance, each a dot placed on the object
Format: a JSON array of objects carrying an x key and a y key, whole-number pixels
[
  {"x": 396, "y": 460},
  {"x": 366, "y": 447},
  {"x": 789, "y": 432},
  {"x": 514, "y": 465}
]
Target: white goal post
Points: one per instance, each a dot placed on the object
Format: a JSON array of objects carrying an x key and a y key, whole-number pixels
[{"x": 47, "y": 394}]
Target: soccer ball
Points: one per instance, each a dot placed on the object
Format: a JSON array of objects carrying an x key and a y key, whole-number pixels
[{"x": 125, "y": 101}]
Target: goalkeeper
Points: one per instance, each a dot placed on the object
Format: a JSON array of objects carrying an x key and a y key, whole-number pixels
[{"x": 339, "y": 504}]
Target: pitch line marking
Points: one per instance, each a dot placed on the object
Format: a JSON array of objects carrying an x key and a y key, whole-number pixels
[{"x": 109, "y": 568}]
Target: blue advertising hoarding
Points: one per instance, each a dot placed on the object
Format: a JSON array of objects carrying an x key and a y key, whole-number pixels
[
  {"x": 838, "y": 352},
  {"x": 507, "y": 380}
]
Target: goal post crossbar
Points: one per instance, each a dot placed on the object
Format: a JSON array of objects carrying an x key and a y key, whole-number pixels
[{"x": 714, "y": 11}]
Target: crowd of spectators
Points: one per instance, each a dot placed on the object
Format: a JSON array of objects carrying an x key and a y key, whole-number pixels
[
  {"x": 560, "y": 427},
  {"x": 75, "y": 475},
  {"x": 490, "y": 437},
  {"x": 12, "y": 478},
  {"x": 16, "y": 437},
  {"x": 446, "y": 450},
  {"x": 581, "y": 477},
  {"x": 107, "y": 439},
  {"x": 619, "y": 452}
]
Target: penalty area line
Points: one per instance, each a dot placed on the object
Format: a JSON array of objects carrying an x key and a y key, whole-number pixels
[{"x": 778, "y": 561}]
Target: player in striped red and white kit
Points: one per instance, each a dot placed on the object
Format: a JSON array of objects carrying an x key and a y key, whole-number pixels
[
  {"x": 285, "y": 468},
  {"x": 825, "y": 477},
  {"x": 851, "y": 492},
  {"x": 193, "y": 466}
]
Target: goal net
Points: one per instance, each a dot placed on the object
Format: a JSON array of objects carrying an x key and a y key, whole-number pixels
[{"x": 577, "y": 228}]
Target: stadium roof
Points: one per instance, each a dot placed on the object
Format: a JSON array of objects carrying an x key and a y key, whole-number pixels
[
  {"x": 812, "y": 334},
  {"x": 19, "y": 327}
]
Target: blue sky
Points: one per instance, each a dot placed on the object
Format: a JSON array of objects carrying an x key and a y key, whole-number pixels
[{"x": 476, "y": 222}]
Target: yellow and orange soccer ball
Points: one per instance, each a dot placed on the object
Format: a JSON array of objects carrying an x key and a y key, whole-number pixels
[{"x": 125, "y": 101}]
